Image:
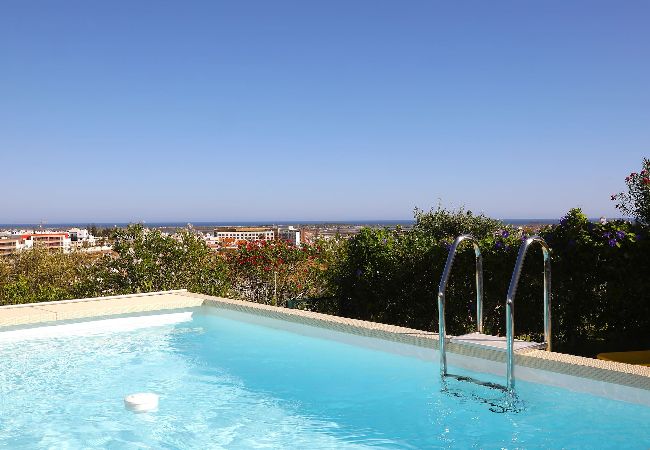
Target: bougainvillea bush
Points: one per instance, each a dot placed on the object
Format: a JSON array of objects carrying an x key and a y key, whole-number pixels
[{"x": 276, "y": 272}]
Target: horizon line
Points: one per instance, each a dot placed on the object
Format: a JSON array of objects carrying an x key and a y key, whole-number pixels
[{"x": 264, "y": 222}]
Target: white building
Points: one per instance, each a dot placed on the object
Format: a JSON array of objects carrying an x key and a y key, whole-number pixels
[
  {"x": 52, "y": 240},
  {"x": 231, "y": 236},
  {"x": 14, "y": 243},
  {"x": 80, "y": 237},
  {"x": 291, "y": 235},
  {"x": 212, "y": 241}
]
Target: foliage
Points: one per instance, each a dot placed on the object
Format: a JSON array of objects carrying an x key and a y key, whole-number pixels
[
  {"x": 275, "y": 272},
  {"x": 599, "y": 278},
  {"x": 39, "y": 275},
  {"x": 147, "y": 260},
  {"x": 600, "y": 282},
  {"x": 636, "y": 201},
  {"x": 442, "y": 223},
  {"x": 397, "y": 272}
]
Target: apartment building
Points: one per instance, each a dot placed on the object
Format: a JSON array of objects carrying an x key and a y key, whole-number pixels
[
  {"x": 14, "y": 243},
  {"x": 232, "y": 236},
  {"x": 80, "y": 238},
  {"x": 52, "y": 241},
  {"x": 290, "y": 234}
]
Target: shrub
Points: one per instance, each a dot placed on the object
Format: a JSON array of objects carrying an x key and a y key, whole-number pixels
[
  {"x": 40, "y": 275},
  {"x": 147, "y": 260},
  {"x": 276, "y": 272},
  {"x": 392, "y": 275},
  {"x": 600, "y": 284}
]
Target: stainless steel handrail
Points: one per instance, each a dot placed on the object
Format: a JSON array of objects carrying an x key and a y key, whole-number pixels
[
  {"x": 510, "y": 303},
  {"x": 441, "y": 295}
]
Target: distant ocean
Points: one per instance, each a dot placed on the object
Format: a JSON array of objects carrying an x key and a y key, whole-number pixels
[
  {"x": 521, "y": 222},
  {"x": 386, "y": 223},
  {"x": 213, "y": 224}
]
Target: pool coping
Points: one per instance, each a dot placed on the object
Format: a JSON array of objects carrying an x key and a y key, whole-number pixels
[{"x": 627, "y": 375}]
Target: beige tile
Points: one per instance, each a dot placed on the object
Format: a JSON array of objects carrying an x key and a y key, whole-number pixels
[
  {"x": 94, "y": 307},
  {"x": 25, "y": 315},
  {"x": 124, "y": 305}
]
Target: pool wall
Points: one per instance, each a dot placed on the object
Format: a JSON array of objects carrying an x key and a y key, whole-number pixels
[{"x": 608, "y": 379}]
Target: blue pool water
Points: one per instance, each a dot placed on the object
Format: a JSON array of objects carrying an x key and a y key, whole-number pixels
[{"x": 225, "y": 383}]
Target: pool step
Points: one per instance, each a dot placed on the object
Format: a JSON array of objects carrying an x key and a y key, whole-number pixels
[{"x": 495, "y": 342}]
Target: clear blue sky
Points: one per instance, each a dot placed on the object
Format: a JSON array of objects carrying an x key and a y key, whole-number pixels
[{"x": 276, "y": 110}]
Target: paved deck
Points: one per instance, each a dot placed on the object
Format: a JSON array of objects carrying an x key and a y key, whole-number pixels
[{"x": 12, "y": 315}]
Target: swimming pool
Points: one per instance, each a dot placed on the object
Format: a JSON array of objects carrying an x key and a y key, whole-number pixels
[{"x": 229, "y": 382}]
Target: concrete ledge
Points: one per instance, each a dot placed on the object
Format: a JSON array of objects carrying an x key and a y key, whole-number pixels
[
  {"x": 93, "y": 299},
  {"x": 12, "y": 315}
]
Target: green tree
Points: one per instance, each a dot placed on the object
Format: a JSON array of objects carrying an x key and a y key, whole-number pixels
[
  {"x": 441, "y": 223},
  {"x": 147, "y": 260}
]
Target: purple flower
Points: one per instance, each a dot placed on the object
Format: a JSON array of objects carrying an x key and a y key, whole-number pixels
[
  {"x": 358, "y": 272},
  {"x": 607, "y": 235},
  {"x": 498, "y": 245},
  {"x": 612, "y": 242},
  {"x": 638, "y": 237},
  {"x": 564, "y": 221},
  {"x": 620, "y": 234},
  {"x": 505, "y": 233},
  {"x": 384, "y": 240}
]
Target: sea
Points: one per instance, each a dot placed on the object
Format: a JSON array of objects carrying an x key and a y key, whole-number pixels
[{"x": 370, "y": 223}]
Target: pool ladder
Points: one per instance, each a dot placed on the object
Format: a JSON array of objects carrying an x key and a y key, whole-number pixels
[{"x": 495, "y": 341}]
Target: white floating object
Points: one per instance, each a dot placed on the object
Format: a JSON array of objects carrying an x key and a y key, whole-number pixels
[{"x": 141, "y": 402}]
